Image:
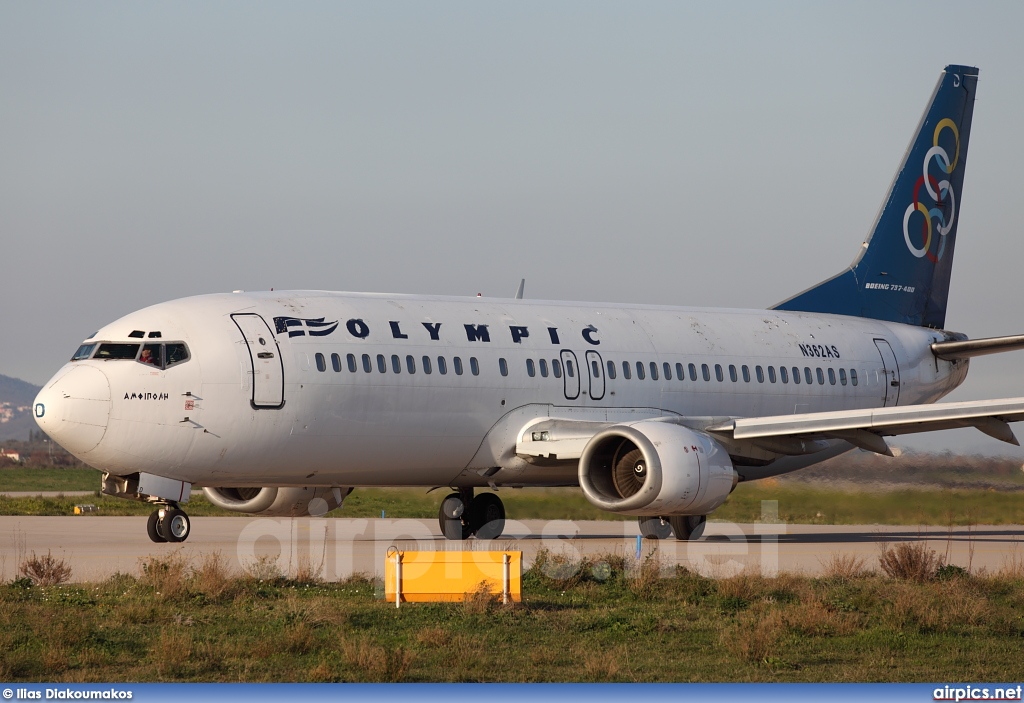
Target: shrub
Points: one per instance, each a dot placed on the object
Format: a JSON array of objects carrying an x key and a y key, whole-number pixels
[
  {"x": 911, "y": 561},
  {"x": 948, "y": 572},
  {"x": 45, "y": 571}
]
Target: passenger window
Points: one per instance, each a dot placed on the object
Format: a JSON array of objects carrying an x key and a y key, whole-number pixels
[
  {"x": 457, "y": 365},
  {"x": 442, "y": 366},
  {"x": 718, "y": 373},
  {"x": 784, "y": 375},
  {"x": 503, "y": 367},
  {"x": 474, "y": 366},
  {"x": 117, "y": 351},
  {"x": 706, "y": 372},
  {"x": 679, "y": 372},
  {"x": 410, "y": 363},
  {"x": 84, "y": 352},
  {"x": 556, "y": 368},
  {"x": 336, "y": 363},
  {"x": 351, "y": 359},
  {"x": 732, "y": 373},
  {"x": 746, "y": 374},
  {"x": 796, "y": 375},
  {"x": 832, "y": 376},
  {"x": 543, "y": 364},
  {"x": 759, "y": 372},
  {"x": 667, "y": 368},
  {"x": 771, "y": 374},
  {"x": 570, "y": 368},
  {"x": 321, "y": 363},
  {"x": 693, "y": 372},
  {"x": 595, "y": 368},
  {"x": 426, "y": 365},
  {"x": 807, "y": 375},
  {"x": 175, "y": 353},
  {"x": 625, "y": 370},
  {"x": 382, "y": 364},
  {"x": 821, "y": 376},
  {"x": 842, "y": 376},
  {"x": 396, "y": 363},
  {"x": 611, "y": 370},
  {"x": 654, "y": 370},
  {"x": 640, "y": 371},
  {"x": 530, "y": 368},
  {"x": 366, "y": 363},
  {"x": 151, "y": 354},
  {"x": 853, "y": 376}
]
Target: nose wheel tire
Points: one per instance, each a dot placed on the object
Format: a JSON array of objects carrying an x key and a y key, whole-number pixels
[
  {"x": 152, "y": 525},
  {"x": 172, "y": 525},
  {"x": 487, "y": 516},
  {"x": 654, "y": 527},
  {"x": 450, "y": 518}
]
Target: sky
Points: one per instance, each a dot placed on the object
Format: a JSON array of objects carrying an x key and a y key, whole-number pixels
[{"x": 706, "y": 154}]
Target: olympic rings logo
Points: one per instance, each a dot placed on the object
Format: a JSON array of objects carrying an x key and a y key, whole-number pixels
[{"x": 941, "y": 194}]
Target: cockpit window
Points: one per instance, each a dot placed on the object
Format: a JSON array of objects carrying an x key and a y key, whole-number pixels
[
  {"x": 158, "y": 355},
  {"x": 177, "y": 353},
  {"x": 114, "y": 350},
  {"x": 151, "y": 355},
  {"x": 84, "y": 352}
]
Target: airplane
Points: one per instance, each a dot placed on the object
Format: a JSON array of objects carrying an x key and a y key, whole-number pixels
[{"x": 281, "y": 403}]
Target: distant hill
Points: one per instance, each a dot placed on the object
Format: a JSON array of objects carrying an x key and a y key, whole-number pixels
[{"x": 16, "y": 398}]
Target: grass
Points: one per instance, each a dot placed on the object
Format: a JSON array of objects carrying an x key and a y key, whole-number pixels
[
  {"x": 176, "y": 621},
  {"x": 798, "y": 503},
  {"x": 48, "y": 479}
]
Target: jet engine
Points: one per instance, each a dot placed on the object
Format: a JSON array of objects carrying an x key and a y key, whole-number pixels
[
  {"x": 291, "y": 501},
  {"x": 655, "y": 468}
]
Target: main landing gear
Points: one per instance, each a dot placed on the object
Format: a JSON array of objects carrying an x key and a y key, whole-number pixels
[
  {"x": 684, "y": 527},
  {"x": 462, "y": 515},
  {"x": 168, "y": 524}
]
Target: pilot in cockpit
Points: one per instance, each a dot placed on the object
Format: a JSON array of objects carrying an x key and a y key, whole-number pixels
[{"x": 147, "y": 357}]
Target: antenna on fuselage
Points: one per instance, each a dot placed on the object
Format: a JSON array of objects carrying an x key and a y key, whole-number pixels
[{"x": 522, "y": 285}]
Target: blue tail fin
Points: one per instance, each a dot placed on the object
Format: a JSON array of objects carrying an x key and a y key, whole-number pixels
[{"x": 903, "y": 270}]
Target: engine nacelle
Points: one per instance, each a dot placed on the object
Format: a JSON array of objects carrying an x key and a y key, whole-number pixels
[
  {"x": 292, "y": 501},
  {"x": 655, "y": 468}
]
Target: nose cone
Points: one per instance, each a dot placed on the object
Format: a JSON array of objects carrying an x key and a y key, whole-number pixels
[{"x": 74, "y": 408}]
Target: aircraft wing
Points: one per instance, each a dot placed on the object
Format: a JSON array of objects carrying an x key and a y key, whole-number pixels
[
  {"x": 865, "y": 428},
  {"x": 553, "y": 439}
]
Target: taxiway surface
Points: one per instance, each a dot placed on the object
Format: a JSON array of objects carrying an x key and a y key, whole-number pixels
[{"x": 97, "y": 547}]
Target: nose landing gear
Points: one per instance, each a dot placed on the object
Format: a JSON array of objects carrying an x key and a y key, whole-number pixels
[
  {"x": 168, "y": 524},
  {"x": 462, "y": 515}
]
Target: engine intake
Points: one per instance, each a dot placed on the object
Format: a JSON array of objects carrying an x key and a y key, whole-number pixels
[
  {"x": 292, "y": 501},
  {"x": 655, "y": 468}
]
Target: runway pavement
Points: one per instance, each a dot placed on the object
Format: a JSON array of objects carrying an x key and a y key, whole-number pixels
[{"x": 97, "y": 547}]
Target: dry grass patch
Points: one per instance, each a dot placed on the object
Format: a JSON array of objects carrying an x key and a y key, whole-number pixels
[
  {"x": 757, "y": 635},
  {"x": 378, "y": 664},
  {"x": 844, "y": 567},
  {"x": 166, "y": 576},
  {"x": 604, "y": 665},
  {"x": 172, "y": 651},
  {"x": 433, "y": 637},
  {"x": 213, "y": 577}
]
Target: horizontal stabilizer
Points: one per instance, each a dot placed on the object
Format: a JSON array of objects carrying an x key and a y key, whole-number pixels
[{"x": 964, "y": 349}]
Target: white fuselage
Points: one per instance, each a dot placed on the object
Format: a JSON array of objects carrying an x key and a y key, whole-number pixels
[{"x": 229, "y": 417}]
